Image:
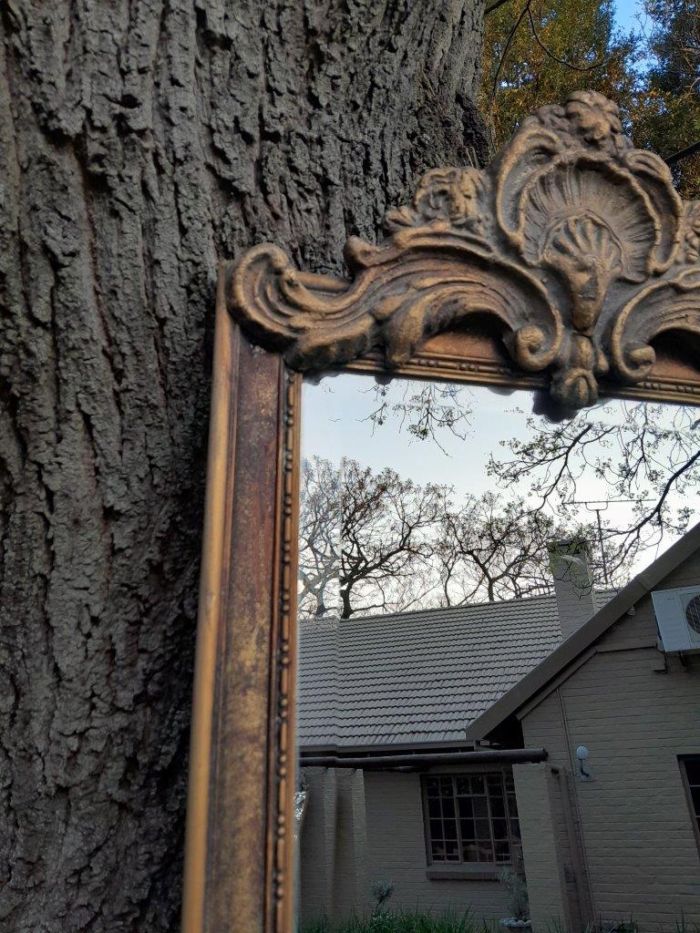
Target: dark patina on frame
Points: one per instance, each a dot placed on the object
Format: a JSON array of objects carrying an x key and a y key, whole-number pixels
[{"x": 555, "y": 269}]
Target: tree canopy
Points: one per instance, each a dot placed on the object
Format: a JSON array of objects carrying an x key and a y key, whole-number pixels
[
  {"x": 538, "y": 51},
  {"x": 623, "y": 477}
]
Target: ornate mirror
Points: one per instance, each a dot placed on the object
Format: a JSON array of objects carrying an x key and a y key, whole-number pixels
[{"x": 448, "y": 617}]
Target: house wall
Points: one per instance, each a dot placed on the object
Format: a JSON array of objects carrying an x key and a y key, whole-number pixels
[
  {"x": 333, "y": 845},
  {"x": 550, "y": 846},
  {"x": 364, "y": 827},
  {"x": 636, "y": 710},
  {"x": 397, "y": 852}
]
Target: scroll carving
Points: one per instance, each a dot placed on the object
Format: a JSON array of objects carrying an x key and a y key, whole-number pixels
[{"x": 575, "y": 241}]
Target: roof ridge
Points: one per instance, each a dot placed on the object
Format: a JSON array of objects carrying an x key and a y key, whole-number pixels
[{"x": 433, "y": 609}]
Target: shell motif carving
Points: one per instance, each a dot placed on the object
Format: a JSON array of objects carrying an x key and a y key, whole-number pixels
[{"x": 575, "y": 241}]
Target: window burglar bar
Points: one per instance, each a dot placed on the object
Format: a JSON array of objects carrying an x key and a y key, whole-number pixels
[{"x": 472, "y": 818}]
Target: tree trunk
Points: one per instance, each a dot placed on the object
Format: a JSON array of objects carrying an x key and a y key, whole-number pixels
[{"x": 142, "y": 141}]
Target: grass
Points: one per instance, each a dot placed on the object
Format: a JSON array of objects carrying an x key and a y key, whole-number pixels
[{"x": 403, "y": 921}]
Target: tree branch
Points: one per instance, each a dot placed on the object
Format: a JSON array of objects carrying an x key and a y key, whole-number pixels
[
  {"x": 550, "y": 54},
  {"x": 506, "y": 47},
  {"x": 494, "y": 6},
  {"x": 683, "y": 154}
]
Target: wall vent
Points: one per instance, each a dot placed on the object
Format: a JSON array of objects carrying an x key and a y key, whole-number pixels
[{"x": 678, "y": 618}]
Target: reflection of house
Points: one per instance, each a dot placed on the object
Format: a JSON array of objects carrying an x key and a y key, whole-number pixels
[{"x": 419, "y": 732}]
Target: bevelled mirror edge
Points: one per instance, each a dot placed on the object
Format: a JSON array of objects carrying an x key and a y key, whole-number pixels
[{"x": 239, "y": 859}]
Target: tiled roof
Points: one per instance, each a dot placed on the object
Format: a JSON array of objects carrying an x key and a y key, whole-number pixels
[{"x": 417, "y": 677}]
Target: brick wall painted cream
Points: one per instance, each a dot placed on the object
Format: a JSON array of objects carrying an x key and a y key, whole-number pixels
[
  {"x": 362, "y": 827},
  {"x": 396, "y": 850},
  {"x": 333, "y": 868},
  {"x": 636, "y": 714},
  {"x": 541, "y": 854},
  {"x": 316, "y": 868}
]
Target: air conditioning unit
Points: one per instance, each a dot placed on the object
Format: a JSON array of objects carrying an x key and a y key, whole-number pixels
[{"x": 678, "y": 617}]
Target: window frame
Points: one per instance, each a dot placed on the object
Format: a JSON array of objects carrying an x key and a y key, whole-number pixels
[
  {"x": 455, "y": 866},
  {"x": 683, "y": 761}
]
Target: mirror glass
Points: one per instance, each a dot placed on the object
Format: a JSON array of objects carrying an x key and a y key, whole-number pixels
[{"x": 499, "y": 662}]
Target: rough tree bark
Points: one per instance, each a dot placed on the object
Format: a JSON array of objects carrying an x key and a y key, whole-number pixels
[{"x": 141, "y": 141}]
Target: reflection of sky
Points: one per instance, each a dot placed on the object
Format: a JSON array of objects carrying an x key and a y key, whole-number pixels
[{"x": 335, "y": 425}]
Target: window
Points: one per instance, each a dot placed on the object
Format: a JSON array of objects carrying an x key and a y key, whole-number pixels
[
  {"x": 471, "y": 818},
  {"x": 691, "y": 770}
]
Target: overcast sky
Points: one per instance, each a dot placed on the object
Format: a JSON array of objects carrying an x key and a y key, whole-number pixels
[{"x": 335, "y": 425}]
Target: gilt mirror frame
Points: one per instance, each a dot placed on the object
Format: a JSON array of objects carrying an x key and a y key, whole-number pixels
[{"x": 568, "y": 266}]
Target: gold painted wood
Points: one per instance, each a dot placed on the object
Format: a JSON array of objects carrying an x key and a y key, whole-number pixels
[
  {"x": 552, "y": 270},
  {"x": 239, "y": 850},
  {"x": 572, "y": 240}
]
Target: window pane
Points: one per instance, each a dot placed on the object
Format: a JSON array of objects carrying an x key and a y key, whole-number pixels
[
  {"x": 692, "y": 769},
  {"x": 451, "y": 851},
  {"x": 480, "y": 807},
  {"x": 695, "y": 794},
  {"x": 498, "y": 807},
  {"x": 466, "y": 807},
  {"x": 438, "y": 851},
  {"x": 495, "y": 784},
  {"x": 486, "y": 853},
  {"x": 470, "y": 852},
  {"x": 450, "y": 829},
  {"x": 471, "y": 818},
  {"x": 502, "y": 852}
]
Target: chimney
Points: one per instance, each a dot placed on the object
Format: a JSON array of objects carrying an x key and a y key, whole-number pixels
[{"x": 573, "y": 586}]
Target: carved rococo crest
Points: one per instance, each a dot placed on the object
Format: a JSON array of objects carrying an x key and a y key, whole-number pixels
[{"x": 572, "y": 238}]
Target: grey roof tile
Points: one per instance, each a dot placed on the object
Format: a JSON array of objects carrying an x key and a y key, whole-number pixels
[{"x": 417, "y": 677}]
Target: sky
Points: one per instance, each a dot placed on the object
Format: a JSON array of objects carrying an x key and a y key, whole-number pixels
[
  {"x": 626, "y": 13},
  {"x": 335, "y": 424}
]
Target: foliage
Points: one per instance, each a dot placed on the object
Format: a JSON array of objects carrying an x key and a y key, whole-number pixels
[
  {"x": 365, "y": 537},
  {"x": 683, "y": 926},
  {"x": 375, "y": 542},
  {"x": 381, "y": 892},
  {"x": 372, "y": 541},
  {"x": 650, "y": 457},
  {"x": 514, "y": 884},
  {"x": 495, "y": 547},
  {"x": 403, "y": 921},
  {"x": 424, "y": 410},
  {"x": 667, "y": 112},
  {"x": 643, "y": 459},
  {"x": 537, "y": 51}
]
